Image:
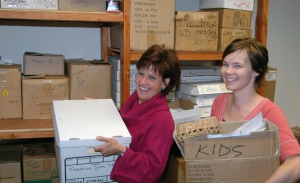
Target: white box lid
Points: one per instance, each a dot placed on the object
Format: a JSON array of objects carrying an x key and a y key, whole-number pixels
[{"x": 78, "y": 122}]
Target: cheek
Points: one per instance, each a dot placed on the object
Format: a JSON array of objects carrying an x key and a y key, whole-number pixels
[{"x": 223, "y": 70}]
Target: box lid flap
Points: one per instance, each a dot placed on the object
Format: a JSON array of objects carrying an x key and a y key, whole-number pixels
[{"x": 78, "y": 122}]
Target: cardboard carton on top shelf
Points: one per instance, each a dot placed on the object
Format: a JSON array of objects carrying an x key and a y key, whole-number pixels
[
  {"x": 249, "y": 158},
  {"x": 30, "y": 4},
  {"x": 226, "y": 36},
  {"x": 233, "y": 19},
  {"x": 76, "y": 125},
  {"x": 196, "y": 31},
  {"x": 38, "y": 94},
  {"x": 89, "y": 79},
  {"x": 43, "y": 64},
  {"x": 90, "y": 5},
  {"x": 151, "y": 22},
  {"x": 231, "y": 4},
  {"x": 10, "y": 91}
]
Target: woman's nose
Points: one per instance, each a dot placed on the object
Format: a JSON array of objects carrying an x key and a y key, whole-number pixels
[
  {"x": 228, "y": 70},
  {"x": 142, "y": 80}
]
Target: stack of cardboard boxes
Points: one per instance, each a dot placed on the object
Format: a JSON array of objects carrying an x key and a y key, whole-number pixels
[
  {"x": 48, "y": 77},
  {"x": 44, "y": 81},
  {"x": 234, "y": 19}
]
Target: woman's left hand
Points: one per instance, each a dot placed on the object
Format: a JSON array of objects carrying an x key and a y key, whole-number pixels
[{"x": 110, "y": 147}]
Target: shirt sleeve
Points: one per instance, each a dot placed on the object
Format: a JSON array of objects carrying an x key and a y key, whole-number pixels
[{"x": 288, "y": 143}]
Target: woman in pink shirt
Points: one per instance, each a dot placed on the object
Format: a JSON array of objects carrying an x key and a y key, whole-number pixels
[{"x": 245, "y": 62}]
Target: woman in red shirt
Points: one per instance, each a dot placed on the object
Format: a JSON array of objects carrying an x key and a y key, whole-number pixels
[{"x": 148, "y": 119}]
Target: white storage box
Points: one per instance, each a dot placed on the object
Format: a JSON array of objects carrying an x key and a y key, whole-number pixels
[
  {"x": 76, "y": 125},
  {"x": 203, "y": 88},
  {"x": 230, "y": 4}
]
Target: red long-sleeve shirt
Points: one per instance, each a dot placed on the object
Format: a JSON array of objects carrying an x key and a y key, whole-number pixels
[{"x": 151, "y": 127}]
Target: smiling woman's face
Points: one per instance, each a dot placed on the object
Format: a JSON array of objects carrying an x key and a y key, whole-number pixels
[
  {"x": 148, "y": 84},
  {"x": 237, "y": 71}
]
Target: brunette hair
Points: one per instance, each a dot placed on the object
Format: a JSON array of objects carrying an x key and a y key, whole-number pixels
[
  {"x": 257, "y": 53},
  {"x": 163, "y": 60}
]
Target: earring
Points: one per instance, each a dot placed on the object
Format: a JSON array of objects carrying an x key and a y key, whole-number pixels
[{"x": 162, "y": 88}]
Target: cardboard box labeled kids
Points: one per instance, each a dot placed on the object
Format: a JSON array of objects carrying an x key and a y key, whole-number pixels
[
  {"x": 76, "y": 125},
  {"x": 241, "y": 157}
]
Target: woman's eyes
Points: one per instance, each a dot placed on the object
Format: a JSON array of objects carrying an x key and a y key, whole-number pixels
[
  {"x": 234, "y": 66},
  {"x": 142, "y": 74},
  {"x": 237, "y": 66},
  {"x": 152, "y": 78}
]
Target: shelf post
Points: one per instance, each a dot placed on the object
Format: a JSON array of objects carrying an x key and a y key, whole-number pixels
[
  {"x": 261, "y": 28},
  {"x": 125, "y": 52}
]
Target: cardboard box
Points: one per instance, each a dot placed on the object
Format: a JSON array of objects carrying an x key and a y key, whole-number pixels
[
  {"x": 270, "y": 83},
  {"x": 151, "y": 22},
  {"x": 30, "y": 4},
  {"x": 38, "y": 94},
  {"x": 248, "y": 158},
  {"x": 231, "y": 4},
  {"x": 233, "y": 19},
  {"x": 183, "y": 111},
  {"x": 10, "y": 164},
  {"x": 89, "y": 79},
  {"x": 76, "y": 128},
  {"x": 203, "y": 88},
  {"x": 226, "y": 36},
  {"x": 196, "y": 31},
  {"x": 43, "y": 64},
  {"x": 90, "y": 5},
  {"x": 10, "y": 90},
  {"x": 39, "y": 163}
]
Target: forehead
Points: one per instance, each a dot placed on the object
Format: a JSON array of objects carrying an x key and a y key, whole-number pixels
[
  {"x": 150, "y": 69},
  {"x": 239, "y": 56}
]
